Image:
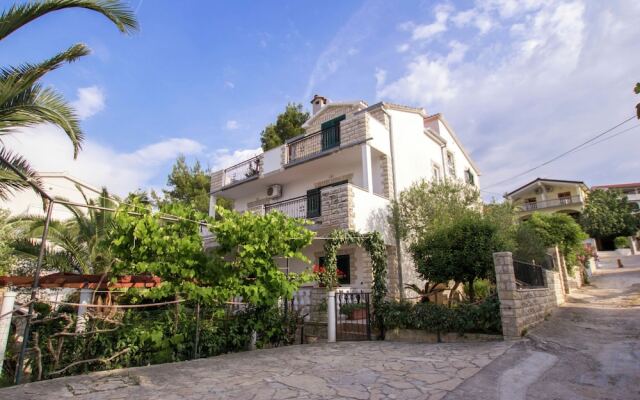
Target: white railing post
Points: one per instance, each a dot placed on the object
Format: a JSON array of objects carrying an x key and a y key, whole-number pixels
[
  {"x": 6, "y": 312},
  {"x": 85, "y": 298},
  {"x": 331, "y": 316}
]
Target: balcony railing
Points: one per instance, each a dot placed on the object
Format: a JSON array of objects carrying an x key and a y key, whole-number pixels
[
  {"x": 245, "y": 170},
  {"x": 551, "y": 203},
  {"x": 315, "y": 143},
  {"x": 307, "y": 206}
]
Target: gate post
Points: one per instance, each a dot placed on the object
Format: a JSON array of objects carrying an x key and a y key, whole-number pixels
[
  {"x": 331, "y": 316},
  {"x": 6, "y": 312}
]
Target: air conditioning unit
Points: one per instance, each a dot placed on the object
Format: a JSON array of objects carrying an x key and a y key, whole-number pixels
[{"x": 274, "y": 191}]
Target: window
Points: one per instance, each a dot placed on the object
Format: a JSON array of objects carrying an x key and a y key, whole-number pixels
[
  {"x": 451, "y": 164},
  {"x": 436, "y": 173},
  {"x": 469, "y": 177},
  {"x": 343, "y": 268},
  {"x": 564, "y": 197}
]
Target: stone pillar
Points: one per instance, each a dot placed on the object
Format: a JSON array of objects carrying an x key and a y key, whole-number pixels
[
  {"x": 85, "y": 298},
  {"x": 367, "y": 176},
  {"x": 331, "y": 316},
  {"x": 564, "y": 273},
  {"x": 212, "y": 205},
  {"x": 632, "y": 246},
  {"x": 507, "y": 293},
  {"x": 6, "y": 312},
  {"x": 557, "y": 262}
]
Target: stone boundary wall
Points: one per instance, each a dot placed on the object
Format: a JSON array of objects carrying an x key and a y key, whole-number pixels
[{"x": 521, "y": 308}]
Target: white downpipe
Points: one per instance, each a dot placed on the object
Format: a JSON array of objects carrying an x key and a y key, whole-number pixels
[
  {"x": 85, "y": 298},
  {"x": 6, "y": 312},
  {"x": 331, "y": 316},
  {"x": 367, "y": 178}
]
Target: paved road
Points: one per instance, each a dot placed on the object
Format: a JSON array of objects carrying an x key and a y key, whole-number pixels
[
  {"x": 347, "y": 370},
  {"x": 588, "y": 349}
]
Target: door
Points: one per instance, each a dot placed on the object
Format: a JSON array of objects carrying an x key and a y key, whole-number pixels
[{"x": 331, "y": 133}]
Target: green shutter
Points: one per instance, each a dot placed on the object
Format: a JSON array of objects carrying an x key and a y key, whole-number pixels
[
  {"x": 331, "y": 133},
  {"x": 313, "y": 203}
]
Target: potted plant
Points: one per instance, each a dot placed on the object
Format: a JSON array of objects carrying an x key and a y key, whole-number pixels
[{"x": 354, "y": 311}]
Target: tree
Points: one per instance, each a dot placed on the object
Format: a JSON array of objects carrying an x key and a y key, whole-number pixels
[
  {"x": 7, "y": 256},
  {"x": 609, "y": 214},
  {"x": 288, "y": 125},
  {"x": 80, "y": 242},
  {"x": 168, "y": 244},
  {"x": 426, "y": 206},
  {"x": 24, "y": 102},
  {"x": 560, "y": 230},
  {"x": 189, "y": 185},
  {"x": 461, "y": 251}
]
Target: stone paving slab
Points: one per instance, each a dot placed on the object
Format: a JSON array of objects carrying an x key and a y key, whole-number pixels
[{"x": 346, "y": 370}]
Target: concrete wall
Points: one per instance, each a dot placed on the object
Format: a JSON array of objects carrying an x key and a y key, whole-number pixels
[{"x": 522, "y": 308}]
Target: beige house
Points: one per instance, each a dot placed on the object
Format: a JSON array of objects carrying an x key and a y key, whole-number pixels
[
  {"x": 549, "y": 196},
  {"x": 342, "y": 173}
]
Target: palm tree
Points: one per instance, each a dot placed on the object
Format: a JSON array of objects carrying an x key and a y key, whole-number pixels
[
  {"x": 24, "y": 102},
  {"x": 79, "y": 242}
]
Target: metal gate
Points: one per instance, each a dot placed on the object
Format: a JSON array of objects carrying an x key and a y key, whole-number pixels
[{"x": 353, "y": 315}]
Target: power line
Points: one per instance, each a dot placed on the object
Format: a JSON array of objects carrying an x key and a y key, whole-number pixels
[{"x": 573, "y": 149}]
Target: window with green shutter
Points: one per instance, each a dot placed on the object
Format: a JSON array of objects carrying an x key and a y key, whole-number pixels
[
  {"x": 331, "y": 133},
  {"x": 313, "y": 203}
]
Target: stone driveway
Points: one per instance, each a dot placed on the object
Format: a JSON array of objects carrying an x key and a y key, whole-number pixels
[{"x": 347, "y": 370}]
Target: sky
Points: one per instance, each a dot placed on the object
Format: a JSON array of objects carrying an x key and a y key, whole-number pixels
[{"x": 519, "y": 81}]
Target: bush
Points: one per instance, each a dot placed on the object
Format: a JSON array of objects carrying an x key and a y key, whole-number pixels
[
  {"x": 482, "y": 289},
  {"x": 481, "y": 317},
  {"x": 621, "y": 242}
]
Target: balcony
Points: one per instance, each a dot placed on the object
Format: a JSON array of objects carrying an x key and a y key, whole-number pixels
[
  {"x": 561, "y": 202},
  {"x": 316, "y": 143},
  {"x": 246, "y": 170},
  {"x": 307, "y": 206}
]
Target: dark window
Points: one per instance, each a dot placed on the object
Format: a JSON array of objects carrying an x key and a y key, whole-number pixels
[
  {"x": 331, "y": 133},
  {"x": 313, "y": 203},
  {"x": 343, "y": 267}
]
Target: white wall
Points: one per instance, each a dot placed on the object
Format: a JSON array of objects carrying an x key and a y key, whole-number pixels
[
  {"x": 461, "y": 161},
  {"x": 271, "y": 160},
  {"x": 379, "y": 135},
  {"x": 371, "y": 212}
]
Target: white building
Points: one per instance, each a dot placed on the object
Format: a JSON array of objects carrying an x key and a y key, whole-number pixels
[
  {"x": 56, "y": 184},
  {"x": 343, "y": 172}
]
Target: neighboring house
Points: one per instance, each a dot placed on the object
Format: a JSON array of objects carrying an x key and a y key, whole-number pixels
[
  {"x": 549, "y": 196},
  {"x": 630, "y": 190},
  {"x": 352, "y": 160},
  {"x": 57, "y": 184}
]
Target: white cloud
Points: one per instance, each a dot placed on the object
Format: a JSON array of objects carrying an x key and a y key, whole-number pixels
[
  {"x": 231, "y": 125},
  {"x": 561, "y": 72},
  {"x": 229, "y": 84},
  {"x": 90, "y": 101},
  {"x": 48, "y": 150},
  {"x": 224, "y": 158},
  {"x": 401, "y": 48},
  {"x": 428, "y": 31}
]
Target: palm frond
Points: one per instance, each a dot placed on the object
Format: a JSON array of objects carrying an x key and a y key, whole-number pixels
[
  {"x": 37, "y": 105},
  {"x": 9, "y": 180},
  {"x": 19, "y": 15}
]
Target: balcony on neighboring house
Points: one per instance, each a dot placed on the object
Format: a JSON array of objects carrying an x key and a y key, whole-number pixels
[{"x": 559, "y": 202}]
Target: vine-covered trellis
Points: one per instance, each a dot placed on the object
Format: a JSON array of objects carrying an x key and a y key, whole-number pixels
[{"x": 374, "y": 244}]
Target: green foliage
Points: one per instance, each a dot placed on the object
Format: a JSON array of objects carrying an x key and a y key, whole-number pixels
[
  {"x": 288, "y": 125},
  {"x": 530, "y": 246},
  {"x": 461, "y": 251},
  {"x": 8, "y": 259},
  {"x": 621, "y": 242},
  {"x": 24, "y": 102},
  {"x": 560, "y": 230},
  {"x": 426, "y": 206},
  {"x": 188, "y": 185},
  {"x": 503, "y": 217},
  {"x": 483, "y": 317},
  {"x": 374, "y": 245},
  {"x": 482, "y": 288},
  {"x": 608, "y": 214}
]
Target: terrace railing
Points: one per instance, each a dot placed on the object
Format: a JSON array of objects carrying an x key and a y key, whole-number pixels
[
  {"x": 315, "y": 143},
  {"x": 242, "y": 171},
  {"x": 529, "y": 275},
  {"x": 307, "y": 206},
  {"x": 537, "y": 205}
]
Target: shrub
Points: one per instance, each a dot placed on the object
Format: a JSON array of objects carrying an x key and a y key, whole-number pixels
[
  {"x": 621, "y": 242},
  {"x": 483, "y": 317},
  {"x": 349, "y": 308},
  {"x": 482, "y": 289}
]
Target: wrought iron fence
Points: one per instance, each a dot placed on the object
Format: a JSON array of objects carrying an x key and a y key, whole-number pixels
[
  {"x": 353, "y": 315},
  {"x": 527, "y": 274},
  {"x": 244, "y": 170},
  {"x": 563, "y": 201},
  {"x": 315, "y": 143}
]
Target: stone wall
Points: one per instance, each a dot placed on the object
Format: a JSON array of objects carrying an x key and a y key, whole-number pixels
[
  {"x": 337, "y": 209},
  {"x": 354, "y": 129},
  {"x": 216, "y": 180},
  {"x": 328, "y": 114},
  {"x": 522, "y": 308}
]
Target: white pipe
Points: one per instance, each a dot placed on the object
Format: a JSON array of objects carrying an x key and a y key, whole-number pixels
[
  {"x": 6, "y": 312},
  {"x": 331, "y": 316}
]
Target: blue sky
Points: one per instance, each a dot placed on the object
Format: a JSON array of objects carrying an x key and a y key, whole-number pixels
[{"x": 519, "y": 80}]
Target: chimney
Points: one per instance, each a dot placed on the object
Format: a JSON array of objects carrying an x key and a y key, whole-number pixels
[{"x": 318, "y": 102}]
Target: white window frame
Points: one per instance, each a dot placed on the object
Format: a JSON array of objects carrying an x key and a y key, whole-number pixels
[{"x": 451, "y": 164}]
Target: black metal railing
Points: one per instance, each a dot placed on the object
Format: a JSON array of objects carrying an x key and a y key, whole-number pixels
[
  {"x": 315, "y": 143},
  {"x": 529, "y": 275},
  {"x": 297, "y": 207},
  {"x": 247, "y": 169},
  {"x": 353, "y": 315}
]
